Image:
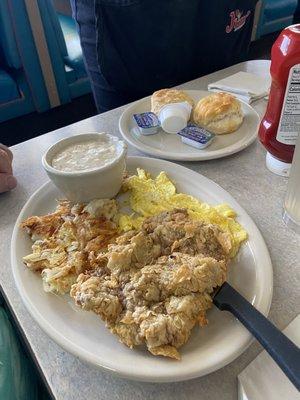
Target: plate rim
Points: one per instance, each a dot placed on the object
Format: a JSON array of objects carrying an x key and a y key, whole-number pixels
[
  {"x": 232, "y": 149},
  {"x": 84, "y": 355}
]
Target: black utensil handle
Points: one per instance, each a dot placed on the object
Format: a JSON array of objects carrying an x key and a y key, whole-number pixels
[{"x": 281, "y": 349}]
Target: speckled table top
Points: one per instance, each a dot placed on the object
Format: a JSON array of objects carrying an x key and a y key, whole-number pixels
[{"x": 243, "y": 175}]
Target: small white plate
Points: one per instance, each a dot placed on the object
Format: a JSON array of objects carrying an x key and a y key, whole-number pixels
[
  {"x": 170, "y": 147},
  {"x": 84, "y": 334}
]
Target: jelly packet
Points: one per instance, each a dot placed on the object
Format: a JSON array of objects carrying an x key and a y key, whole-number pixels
[
  {"x": 195, "y": 136},
  {"x": 147, "y": 122}
]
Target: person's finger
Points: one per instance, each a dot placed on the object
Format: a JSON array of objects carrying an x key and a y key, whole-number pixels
[
  {"x": 7, "y": 150},
  {"x": 5, "y": 162},
  {"x": 7, "y": 182}
]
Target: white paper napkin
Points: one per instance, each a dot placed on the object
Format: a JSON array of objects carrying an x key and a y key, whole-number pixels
[
  {"x": 244, "y": 85},
  {"x": 264, "y": 380}
]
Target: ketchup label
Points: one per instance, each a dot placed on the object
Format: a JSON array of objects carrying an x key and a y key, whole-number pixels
[{"x": 289, "y": 124}]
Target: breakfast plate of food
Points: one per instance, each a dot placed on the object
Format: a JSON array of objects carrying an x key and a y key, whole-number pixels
[
  {"x": 125, "y": 283},
  {"x": 191, "y": 125}
]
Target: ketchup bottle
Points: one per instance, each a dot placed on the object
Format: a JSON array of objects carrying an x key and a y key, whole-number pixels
[{"x": 279, "y": 128}]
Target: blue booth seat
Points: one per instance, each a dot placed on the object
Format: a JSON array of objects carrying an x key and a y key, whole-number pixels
[
  {"x": 9, "y": 89},
  {"x": 22, "y": 103},
  {"x": 27, "y": 82},
  {"x": 65, "y": 52},
  {"x": 74, "y": 58},
  {"x": 22, "y": 88},
  {"x": 68, "y": 41},
  {"x": 276, "y": 10},
  {"x": 275, "y": 15}
]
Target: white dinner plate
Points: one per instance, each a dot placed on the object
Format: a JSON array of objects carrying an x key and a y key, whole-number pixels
[
  {"x": 83, "y": 334},
  {"x": 170, "y": 147}
]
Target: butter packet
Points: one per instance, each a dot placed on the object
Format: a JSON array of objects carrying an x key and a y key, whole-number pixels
[
  {"x": 194, "y": 135},
  {"x": 147, "y": 122}
]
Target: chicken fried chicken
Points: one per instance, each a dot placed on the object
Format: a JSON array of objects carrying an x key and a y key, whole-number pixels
[{"x": 151, "y": 287}]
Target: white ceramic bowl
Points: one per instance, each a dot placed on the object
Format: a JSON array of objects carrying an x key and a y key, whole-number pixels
[{"x": 83, "y": 186}]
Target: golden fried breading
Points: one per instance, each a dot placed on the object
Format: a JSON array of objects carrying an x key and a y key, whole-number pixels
[
  {"x": 175, "y": 231},
  {"x": 153, "y": 286}
]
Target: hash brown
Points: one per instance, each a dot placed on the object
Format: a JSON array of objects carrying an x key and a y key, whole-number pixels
[{"x": 66, "y": 242}]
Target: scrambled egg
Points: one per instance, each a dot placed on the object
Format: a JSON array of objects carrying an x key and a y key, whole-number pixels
[{"x": 149, "y": 197}]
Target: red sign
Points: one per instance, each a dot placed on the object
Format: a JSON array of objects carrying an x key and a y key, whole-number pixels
[{"x": 237, "y": 20}]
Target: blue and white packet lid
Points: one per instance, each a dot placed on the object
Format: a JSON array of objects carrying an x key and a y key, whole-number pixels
[
  {"x": 195, "y": 136},
  {"x": 147, "y": 122}
]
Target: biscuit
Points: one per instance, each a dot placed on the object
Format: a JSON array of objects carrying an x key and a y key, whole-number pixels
[
  {"x": 219, "y": 113},
  {"x": 166, "y": 96}
]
